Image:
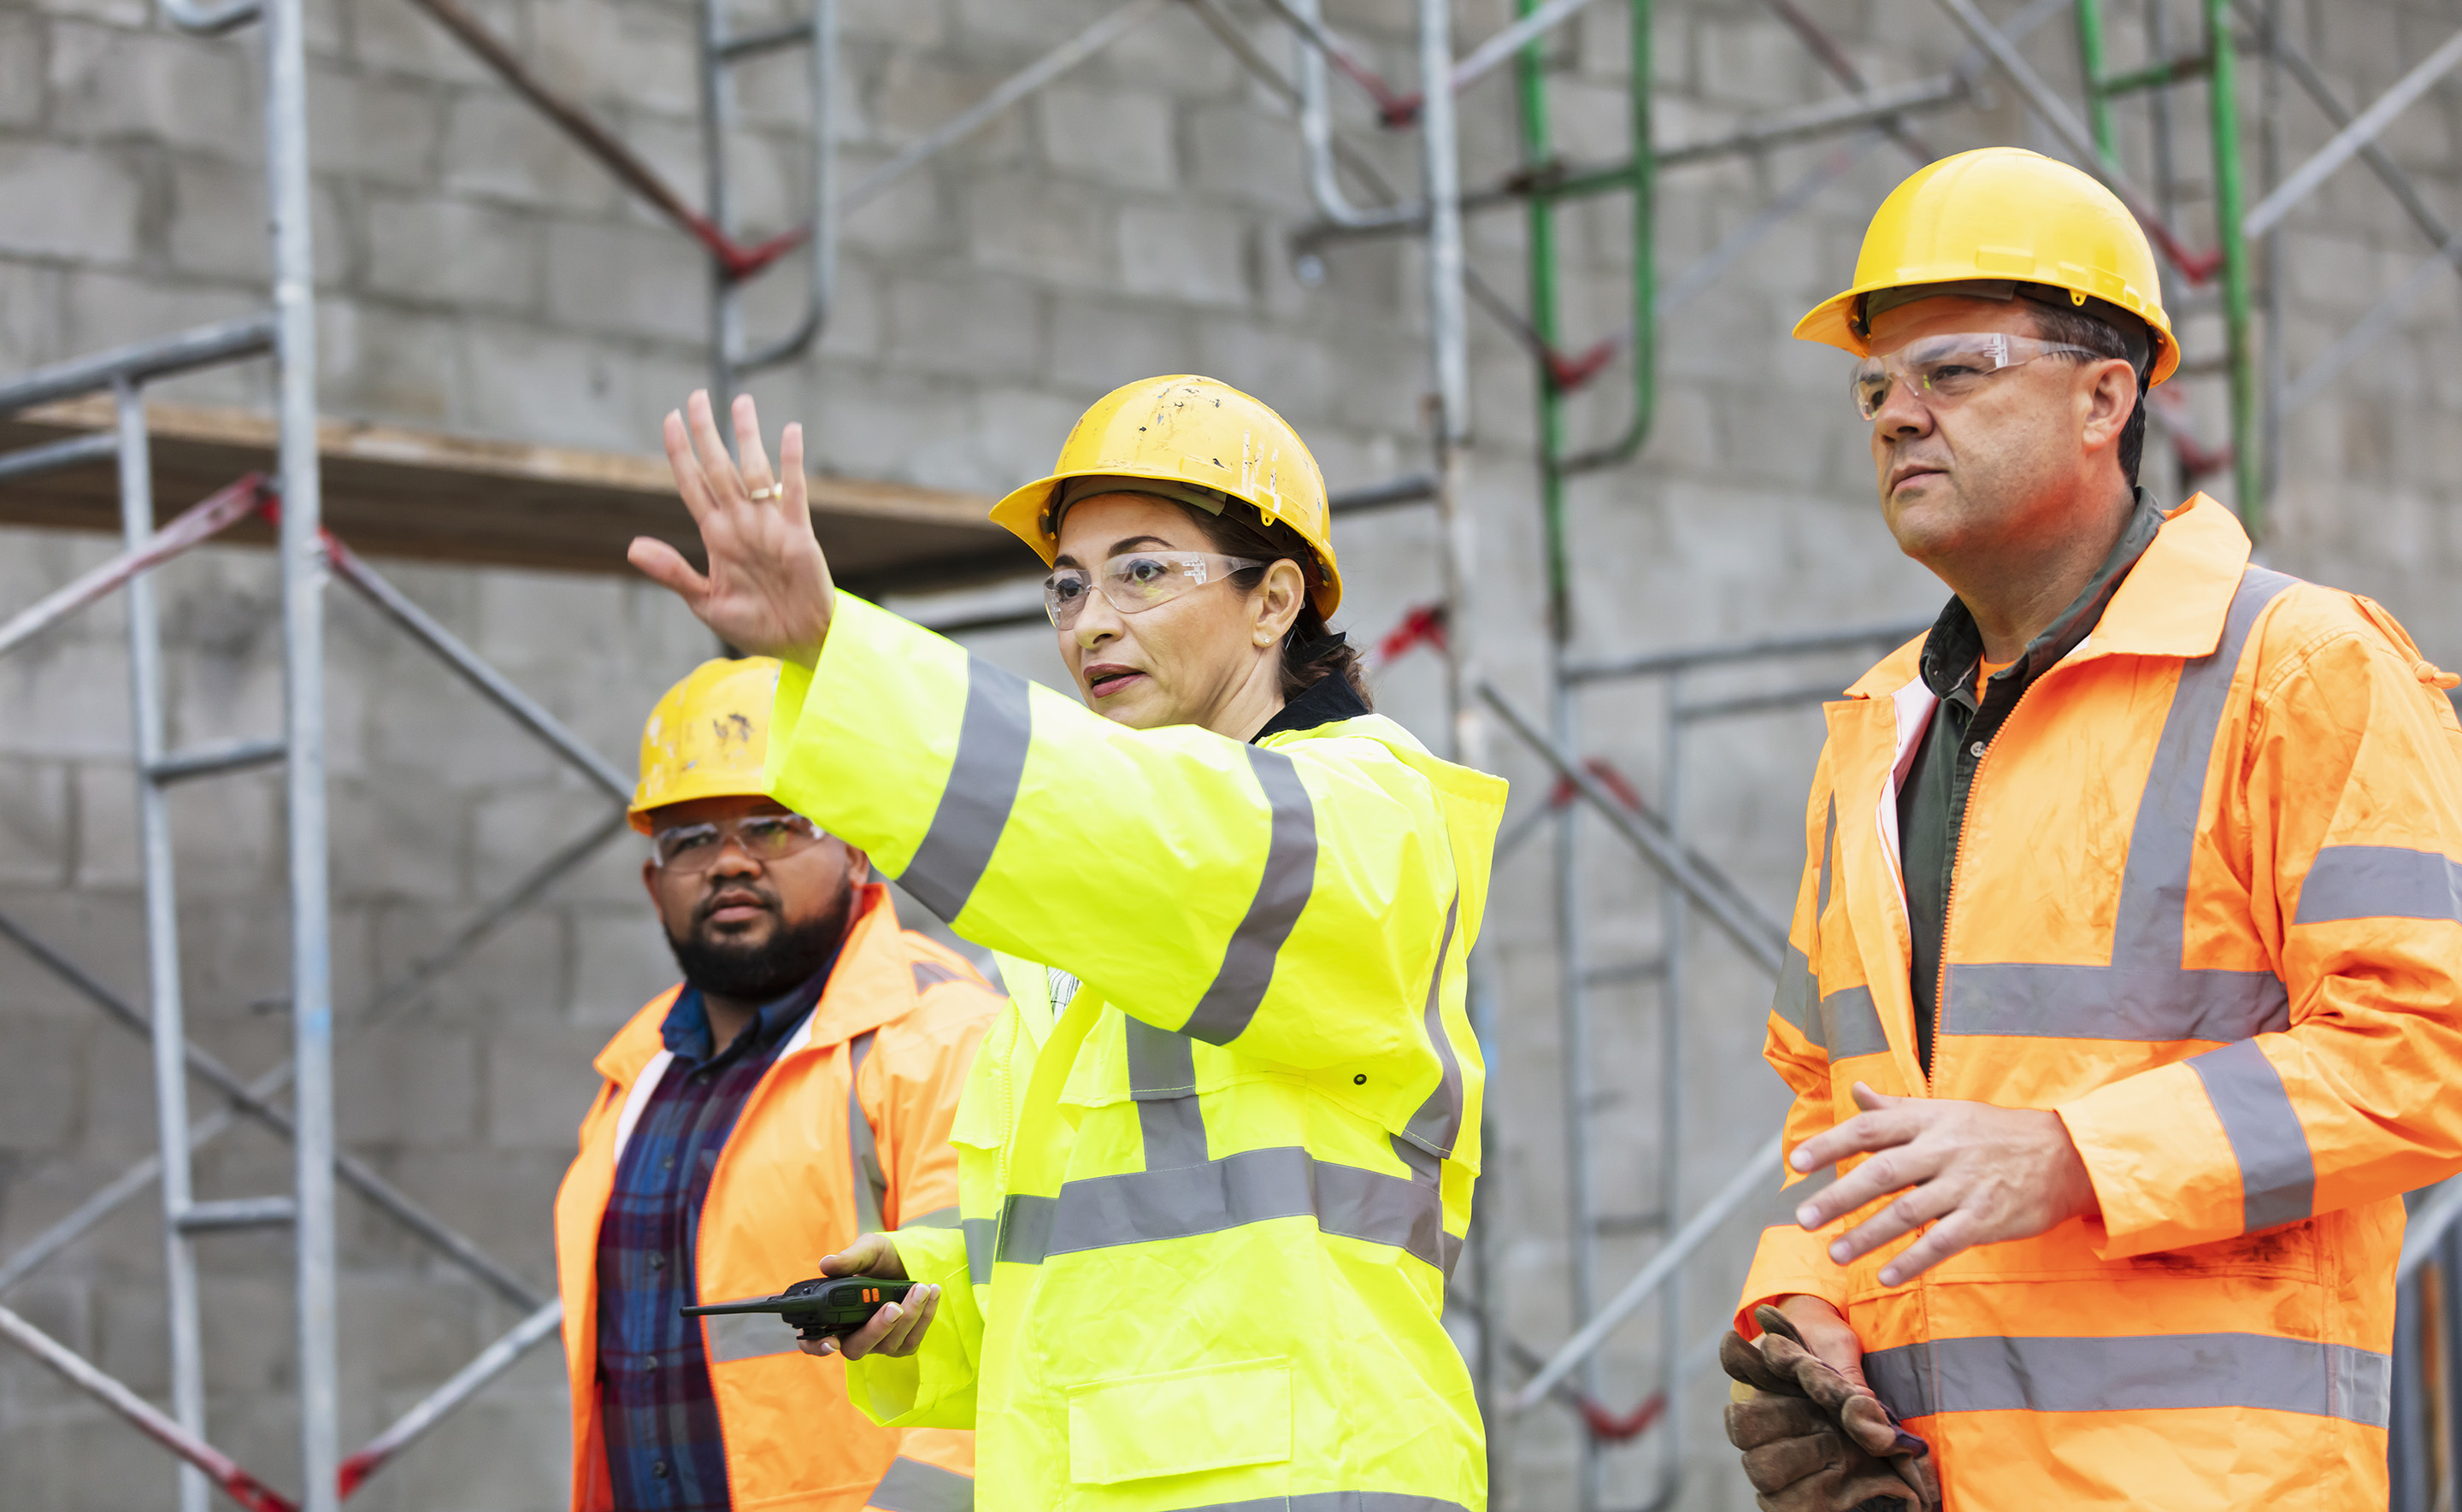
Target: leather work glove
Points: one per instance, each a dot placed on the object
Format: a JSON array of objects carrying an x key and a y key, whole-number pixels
[{"x": 1813, "y": 1440}]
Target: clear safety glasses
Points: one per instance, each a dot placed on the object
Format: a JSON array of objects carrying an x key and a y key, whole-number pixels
[
  {"x": 1943, "y": 370},
  {"x": 1136, "y": 581},
  {"x": 685, "y": 848}
]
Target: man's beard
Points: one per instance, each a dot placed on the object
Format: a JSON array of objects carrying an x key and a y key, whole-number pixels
[{"x": 748, "y": 973}]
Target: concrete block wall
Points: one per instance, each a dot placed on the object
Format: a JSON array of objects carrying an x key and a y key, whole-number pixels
[{"x": 477, "y": 275}]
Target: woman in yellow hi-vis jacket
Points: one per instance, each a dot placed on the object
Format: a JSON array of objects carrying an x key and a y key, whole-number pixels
[{"x": 1216, "y": 1160}]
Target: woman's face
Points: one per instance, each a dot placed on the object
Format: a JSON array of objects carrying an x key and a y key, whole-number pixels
[{"x": 1211, "y": 657}]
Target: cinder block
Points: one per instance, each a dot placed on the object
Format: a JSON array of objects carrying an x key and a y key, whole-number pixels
[
  {"x": 1243, "y": 152},
  {"x": 499, "y": 148},
  {"x": 378, "y": 360},
  {"x": 639, "y": 55},
  {"x": 977, "y": 328},
  {"x": 35, "y": 822},
  {"x": 620, "y": 962},
  {"x": 377, "y": 130},
  {"x": 198, "y": 96},
  {"x": 453, "y": 253},
  {"x": 618, "y": 278},
  {"x": 1195, "y": 254},
  {"x": 57, "y": 201},
  {"x": 22, "y": 70},
  {"x": 1114, "y": 136},
  {"x": 539, "y": 1080},
  {"x": 522, "y": 385}
]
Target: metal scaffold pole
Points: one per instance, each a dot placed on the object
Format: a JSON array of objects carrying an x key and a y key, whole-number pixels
[
  {"x": 1449, "y": 343},
  {"x": 302, "y": 553}
]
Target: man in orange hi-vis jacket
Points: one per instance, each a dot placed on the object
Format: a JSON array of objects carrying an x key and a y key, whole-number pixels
[
  {"x": 2125, "y": 993},
  {"x": 795, "y": 1091}
]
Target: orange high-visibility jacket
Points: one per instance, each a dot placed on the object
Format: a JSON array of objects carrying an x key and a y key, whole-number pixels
[
  {"x": 2208, "y": 906},
  {"x": 847, "y": 1132}
]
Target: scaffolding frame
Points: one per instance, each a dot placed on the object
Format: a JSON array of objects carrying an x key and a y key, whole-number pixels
[{"x": 2262, "y": 393}]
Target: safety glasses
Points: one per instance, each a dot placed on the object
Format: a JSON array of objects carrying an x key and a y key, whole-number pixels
[
  {"x": 1944, "y": 370},
  {"x": 685, "y": 848},
  {"x": 1136, "y": 581}
]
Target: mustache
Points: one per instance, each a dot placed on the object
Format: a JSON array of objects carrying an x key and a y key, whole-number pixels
[{"x": 733, "y": 894}]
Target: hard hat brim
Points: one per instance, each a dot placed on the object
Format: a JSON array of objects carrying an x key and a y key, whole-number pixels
[{"x": 1022, "y": 511}]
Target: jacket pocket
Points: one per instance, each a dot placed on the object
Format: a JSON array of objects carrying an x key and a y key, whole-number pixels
[{"x": 1215, "y": 1418}]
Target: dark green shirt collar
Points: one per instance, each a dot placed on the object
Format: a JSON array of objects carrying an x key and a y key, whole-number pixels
[{"x": 1954, "y": 648}]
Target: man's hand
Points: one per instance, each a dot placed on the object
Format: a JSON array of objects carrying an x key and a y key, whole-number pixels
[
  {"x": 767, "y": 590},
  {"x": 897, "y": 1327},
  {"x": 1814, "y": 1436},
  {"x": 1977, "y": 1173}
]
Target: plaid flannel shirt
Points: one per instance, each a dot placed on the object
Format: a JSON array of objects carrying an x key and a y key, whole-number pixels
[{"x": 665, "y": 1452}]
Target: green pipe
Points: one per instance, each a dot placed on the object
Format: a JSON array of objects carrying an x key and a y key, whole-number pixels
[
  {"x": 1644, "y": 174},
  {"x": 1530, "y": 82},
  {"x": 2159, "y": 75},
  {"x": 2098, "y": 99},
  {"x": 2222, "y": 98}
]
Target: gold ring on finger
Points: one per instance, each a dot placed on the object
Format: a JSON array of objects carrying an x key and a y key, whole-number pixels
[{"x": 765, "y": 495}]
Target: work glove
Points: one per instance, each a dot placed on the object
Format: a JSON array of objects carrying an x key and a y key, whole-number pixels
[{"x": 1813, "y": 1440}]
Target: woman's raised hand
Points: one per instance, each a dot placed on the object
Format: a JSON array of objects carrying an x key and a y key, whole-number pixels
[{"x": 768, "y": 589}]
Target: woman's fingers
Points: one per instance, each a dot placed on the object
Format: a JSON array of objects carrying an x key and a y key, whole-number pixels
[
  {"x": 750, "y": 457},
  {"x": 686, "y": 466},
  {"x": 665, "y": 566},
  {"x": 921, "y": 1305},
  {"x": 790, "y": 471},
  {"x": 725, "y": 483}
]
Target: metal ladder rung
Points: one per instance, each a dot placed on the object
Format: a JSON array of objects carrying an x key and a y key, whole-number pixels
[
  {"x": 210, "y": 761},
  {"x": 752, "y": 44},
  {"x": 236, "y": 1212}
]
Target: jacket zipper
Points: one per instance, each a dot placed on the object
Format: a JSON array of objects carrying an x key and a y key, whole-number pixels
[{"x": 1949, "y": 898}]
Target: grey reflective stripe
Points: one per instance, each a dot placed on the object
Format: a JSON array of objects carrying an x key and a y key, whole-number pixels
[
  {"x": 937, "y": 1218},
  {"x": 981, "y": 1234},
  {"x": 929, "y": 973},
  {"x": 2137, "y": 1372},
  {"x": 863, "y": 1152},
  {"x": 1799, "y": 997},
  {"x": 1339, "y": 1502},
  {"x": 1799, "y": 990},
  {"x": 1064, "y": 988},
  {"x": 1281, "y": 894},
  {"x": 747, "y": 1337},
  {"x": 1025, "y": 1228},
  {"x": 2277, "y": 1175},
  {"x": 2380, "y": 881},
  {"x": 1436, "y": 1127},
  {"x": 913, "y": 1486},
  {"x": 1163, "y": 1079},
  {"x": 1851, "y": 1024},
  {"x": 2145, "y": 994},
  {"x": 1828, "y": 849},
  {"x": 2142, "y": 1003},
  {"x": 992, "y": 740},
  {"x": 1254, "y": 1186}
]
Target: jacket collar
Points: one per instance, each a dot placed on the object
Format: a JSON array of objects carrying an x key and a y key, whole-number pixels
[
  {"x": 2172, "y": 604},
  {"x": 1327, "y": 701},
  {"x": 871, "y": 983}
]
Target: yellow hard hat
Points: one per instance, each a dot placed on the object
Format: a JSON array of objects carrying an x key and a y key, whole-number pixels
[
  {"x": 2004, "y": 214},
  {"x": 1210, "y": 443},
  {"x": 707, "y": 737}
]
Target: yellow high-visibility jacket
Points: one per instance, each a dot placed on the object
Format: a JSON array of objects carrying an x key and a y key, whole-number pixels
[
  {"x": 1210, "y": 1197},
  {"x": 2208, "y": 906}
]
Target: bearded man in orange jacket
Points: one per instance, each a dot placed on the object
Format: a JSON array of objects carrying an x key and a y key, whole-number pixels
[
  {"x": 795, "y": 1090},
  {"x": 2125, "y": 988}
]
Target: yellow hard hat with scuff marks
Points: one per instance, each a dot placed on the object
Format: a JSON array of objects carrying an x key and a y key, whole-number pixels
[
  {"x": 1210, "y": 443},
  {"x": 2003, "y": 213},
  {"x": 707, "y": 737}
]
